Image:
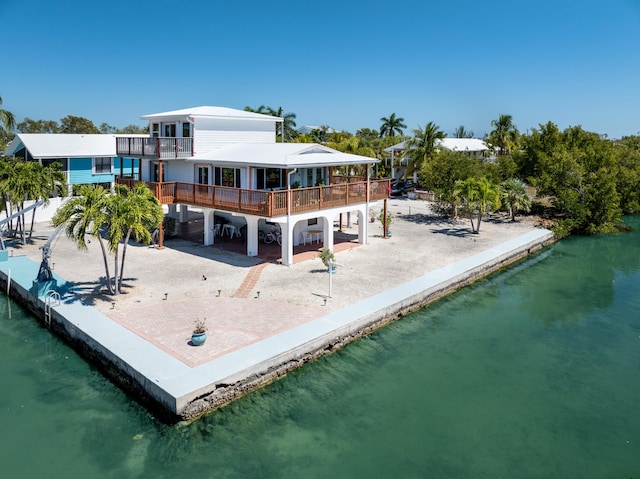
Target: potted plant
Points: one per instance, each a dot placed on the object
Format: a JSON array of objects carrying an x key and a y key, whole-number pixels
[
  {"x": 386, "y": 221},
  {"x": 325, "y": 256},
  {"x": 199, "y": 335}
]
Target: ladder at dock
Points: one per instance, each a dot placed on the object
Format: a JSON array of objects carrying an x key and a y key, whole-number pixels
[{"x": 52, "y": 299}]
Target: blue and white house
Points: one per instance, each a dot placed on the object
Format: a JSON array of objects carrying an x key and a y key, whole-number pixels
[{"x": 86, "y": 159}]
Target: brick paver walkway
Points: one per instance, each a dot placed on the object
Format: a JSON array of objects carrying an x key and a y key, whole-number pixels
[{"x": 250, "y": 281}]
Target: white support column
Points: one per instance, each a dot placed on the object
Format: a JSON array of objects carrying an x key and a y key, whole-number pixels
[
  {"x": 184, "y": 213},
  {"x": 252, "y": 235},
  {"x": 287, "y": 242},
  {"x": 209, "y": 237},
  {"x": 363, "y": 225},
  {"x": 327, "y": 232}
]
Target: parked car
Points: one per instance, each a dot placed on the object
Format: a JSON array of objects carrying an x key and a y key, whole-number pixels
[{"x": 401, "y": 187}]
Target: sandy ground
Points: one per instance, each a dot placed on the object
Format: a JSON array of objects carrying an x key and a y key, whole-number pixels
[{"x": 421, "y": 242}]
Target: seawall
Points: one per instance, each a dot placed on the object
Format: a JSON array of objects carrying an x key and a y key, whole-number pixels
[{"x": 175, "y": 391}]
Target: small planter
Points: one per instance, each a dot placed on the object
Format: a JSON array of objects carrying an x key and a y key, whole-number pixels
[
  {"x": 199, "y": 335},
  {"x": 332, "y": 270},
  {"x": 198, "y": 339},
  {"x": 389, "y": 234}
]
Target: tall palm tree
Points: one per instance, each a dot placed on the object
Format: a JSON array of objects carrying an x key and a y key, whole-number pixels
[
  {"x": 504, "y": 135},
  {"x": 139, "y": 211},
  {"x": 514, "y": 194},
  {"x": 423, "y": 145},
  {"x": 478, "y": 195},
  {"x": 461, "y": 132},
  {"x": 84, "y": 215},
  {"x": 288, "y": 124},
  {"x": 392, "y": 126},
  {"x": 118, "y": 216}
]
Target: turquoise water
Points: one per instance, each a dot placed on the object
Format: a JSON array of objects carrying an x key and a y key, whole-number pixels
[{"x": 531, "y": 373}]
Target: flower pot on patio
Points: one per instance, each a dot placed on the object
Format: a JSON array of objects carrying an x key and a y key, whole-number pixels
[
  {"x": 198, "y": 339},
  {"x": 199, "y": 335}
]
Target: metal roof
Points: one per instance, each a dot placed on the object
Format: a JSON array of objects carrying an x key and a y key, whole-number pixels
[
  {"x": 453, "y": 144},
  {"x": 212, "y": 112},
  {"x": 281, "y": 155},
  {"x": 63, "y": 145}
]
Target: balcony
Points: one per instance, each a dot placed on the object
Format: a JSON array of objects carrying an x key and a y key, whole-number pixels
[
  {"x": 267, "y": 203},
  {"x": 155, "y": 148}
]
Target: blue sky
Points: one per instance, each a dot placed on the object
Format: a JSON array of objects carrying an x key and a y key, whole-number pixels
[{"x": 344, "y": 64}]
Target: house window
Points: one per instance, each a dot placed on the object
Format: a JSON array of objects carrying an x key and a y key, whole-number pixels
[
  {"x": 186, "y": 130},
  {"x": 270, "y": 178},
  {"x": 203, "y": 175},
  {"x": 102, "y": 165},
  {"x": 227, "y": 177},
  {"x": 50, "y": 161},
  {"x": 170, "y": 130},
  {"x": 155, "y": 130}
]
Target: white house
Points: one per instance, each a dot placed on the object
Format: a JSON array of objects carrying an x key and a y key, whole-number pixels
[
  {"x": 228, "y": 163},
  {"x": 472, "y": 146}
]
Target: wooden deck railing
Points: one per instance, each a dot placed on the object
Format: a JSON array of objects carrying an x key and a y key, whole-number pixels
[
  {"x": 158, "y": 148},
  {"x": 267, "y": 203}
]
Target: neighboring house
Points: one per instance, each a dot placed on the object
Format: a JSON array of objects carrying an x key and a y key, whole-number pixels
[
  {"x": 227, "y": 163},
  {"x": 85, "y": 159},
  {"x": 472, "y": 146}
]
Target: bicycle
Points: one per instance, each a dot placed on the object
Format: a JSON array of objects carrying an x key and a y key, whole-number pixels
[{"x": 271, "y": 236}]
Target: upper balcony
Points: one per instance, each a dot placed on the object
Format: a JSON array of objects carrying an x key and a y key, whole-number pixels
[{"x": 160, "y": 148}]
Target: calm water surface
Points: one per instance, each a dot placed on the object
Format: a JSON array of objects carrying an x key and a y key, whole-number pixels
[{"x": 532, "y": 373}]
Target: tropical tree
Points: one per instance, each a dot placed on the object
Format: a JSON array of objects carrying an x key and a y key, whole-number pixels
[
  {"x": 7, "y": 123},
  {"x": 38, "y": 126},
  {"x": 77, "y": 124},
  {"x": 504, "y": 135},
  {"x": 580, "y": 172},
  {"x": 288, "y": 123},
  {"x": 514, "y": 195},
  {"x": 112, "y": 218},
  {"x": 22, "y": 181},
  {"x": 392, "y": 126},
  {"x": 478, "y": 196},
  {"x": 441, "y": 173},
  {"x": 423, "y": 145},
  {"x": 84, "y": 215},
  {"x": 461, "y": 132}
]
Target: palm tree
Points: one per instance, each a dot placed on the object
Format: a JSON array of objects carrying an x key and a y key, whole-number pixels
[
  {"x": 85, "y": 215},
  {"x": 7, "y": 123},
  {"x": 504, "y": 135},
  {"x": 391, "y": 126},
  {"x": 478, "y": 195},
  {"x": 460, "y": 132},
  {"x": 514, "y": 195},
  {"x": 118, "y": 216},
  {"x": 288, "y": 124},
  {"x": 138, "y": 210},
  {"x": 23, "y": 181},
  {"x": 423, "y": 145}
]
